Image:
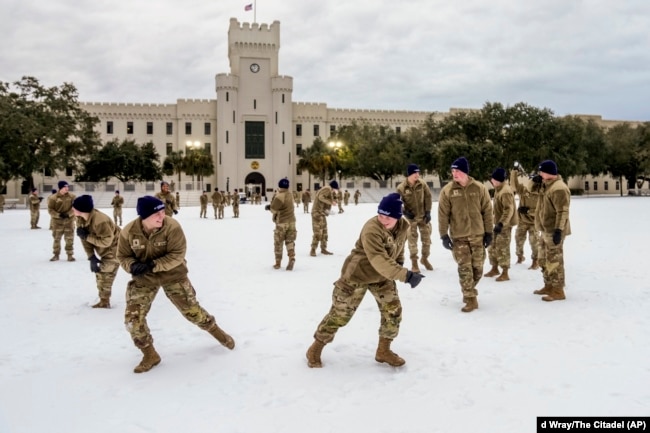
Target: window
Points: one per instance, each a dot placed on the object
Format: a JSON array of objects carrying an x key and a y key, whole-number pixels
[
  {"x": 227, "y": 137},
  {"x": 227, "y": 96},
  {"x": 316, "y": 131},
  {"x": 276, "y": 117},
  {"x": 207, "y": 147},
  {"x": 586, "y": 186},
  {"x": 207, "y": 128},
  {"x": 595, "y": 185},
  {"x": 332, "y": 129},
  {"x": 283, "y": 98},
  {"x": 298, "y": 130},
  {"x": 129, "y": 127},
  {"x": 282, "y": 137},
  {"x": 233, "y": 116},
  {"x": 109, "y": 127},
  {"x": 254, "y": 104},
  {"x": 169, "y": 148},
  {"x": 398, "y": 130},
  {"x": 606, "y": 186},
  {"x": 149, "y": 128},
  {"x": 68, "y": 171},
  {"x": 188, "y": 128},
  {"x": 254, "y": 139},
  {"x": 618, "y": 185},
  {"x": 170, "y": 128},
  {"x": 299, "y": 149}
]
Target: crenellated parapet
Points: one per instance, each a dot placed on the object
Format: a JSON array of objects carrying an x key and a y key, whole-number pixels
[
  {"x": 254, "y": 33},
  {"x": 283, "y": 83}
]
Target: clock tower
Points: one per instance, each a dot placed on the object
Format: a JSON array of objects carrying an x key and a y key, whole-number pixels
[{"x": 254, "y": 112}]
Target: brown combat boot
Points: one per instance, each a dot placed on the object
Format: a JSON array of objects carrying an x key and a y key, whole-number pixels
[
  {"x": 277, "y": 264},
  {"x": 71, "y": 258},
  {"x": 492, "y": 272},
  {"x": 414, "y": 265},
  {"x": 384, "y": 354},
  {"x": 54, "y": 258},
  {"x": 223, "y": 338},
  {"x": 325, "y": 252},
  {"x": 535, "y": 265},
  {"x": 426, "y": 264},
  {"x": 313, "y": 252},
  {"x": 543, "y": 291},
  {"x": 149, "y": 360},
  {"x": 103, "y": 303},
  {"x": 313, "y": 354},
  {"x": 504, "y": 275},
  {"x": 292, "y": 260},
  {"x": 555, "y": 295},
  {"x": 520, "y": 259},
  {"x": 471, "y": 304}
]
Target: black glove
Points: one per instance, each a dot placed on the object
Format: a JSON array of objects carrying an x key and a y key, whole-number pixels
[
  {"x": 400, "y": 263},
  {"x": 175, "y": 212},
  {"x": 82, "y": 232},
  {"x": 497, "y": 228},
  {"x": 487, "y": 239},
  {"x": 64, "y": 215},
  {"x": 138, "y": 268},
  {"x": 537, "y": 179},
  {"x": 94, "y": 263},
  {"x": 413, "y": 278},
  {"x": 557, "y": 236},
  {"x": 40, "y": 199},
  {"x": 408, "y": 215},
  {"x": 523, "y": 210},
  {"x": 427, "y": 217},
  {"x": 267, "y": 207},
  {"x": 446, "y": 242}
]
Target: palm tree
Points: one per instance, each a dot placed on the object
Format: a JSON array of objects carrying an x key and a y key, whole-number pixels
[{"x": 173, "y": 164}]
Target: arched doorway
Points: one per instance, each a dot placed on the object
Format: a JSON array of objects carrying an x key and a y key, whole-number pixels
[{"x": 254, "y": 184}]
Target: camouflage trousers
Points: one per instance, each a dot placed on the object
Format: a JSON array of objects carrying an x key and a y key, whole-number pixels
[
  {"x": 319, "y": 228},
  {"x": 305, "y": 207},
  {"x": 34, "y": 217},
  {"x": 204, "y": 211},
  {"x": 235, "y": 210},
  {"x": 105, "y": 278},
  {"x": 284, "y": 233},
  {"x": 551, "y": 260},
  {"x": 220, "y": 211},
  {"x": 138, "y": 303},
  {"x": 425, "y": 234},
  {"x": 117, "y": 215},
  {"x": 346, "y": 299},
  {"x": 216, "y": 211},
  {"x": 522, "y": 230},
  {"x": 469, "y": 254},
  {"x": 63, "y": 229},
  {"x": 499, "y": 250}
]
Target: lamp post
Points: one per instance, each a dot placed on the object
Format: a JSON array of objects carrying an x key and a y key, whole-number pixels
[{"x": 336, "y": 147}]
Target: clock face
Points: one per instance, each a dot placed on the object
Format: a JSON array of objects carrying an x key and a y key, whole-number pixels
[{"x": 255, "y": 68}]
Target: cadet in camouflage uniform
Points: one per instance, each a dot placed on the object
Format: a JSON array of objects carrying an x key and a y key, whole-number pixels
[
  {"x": 306, "y": 199},
  {"x": 374, "y": 264},
  {"x": 2, "y": 203},
  {"x": 528, "y": 197},
  {"x": 49, "y": 199},
  {"x": 357, "y": 194},
  {"x": 284, "y": 217},
  {"x": 59, "y": 207},
  {"x": 217, "y": 198},
  {"x": 552, "y": 220},
  {"x": 505, "y": 217},
  {"x": 339, "y": 201},
  {"x": 296, "y": 198},
  {"x": 417, "y": 199},
  {"x": 34, "y": 202},
  {"x": 152, "y": 249},
  {"x": 178, "y": 200},
  {"x": 99, "y": 236},
  {"x": 323, "y": 202},
  {"x": 171, "y": 207},
  {"x": 203, "y": 200},
  {"x": 465, "y": 225},
  {"x": 346, "y": 197},
  {"x": 221, "y": 205},
  {"x": 235, "y": 204},
  {"x": 117, "y": 203}
]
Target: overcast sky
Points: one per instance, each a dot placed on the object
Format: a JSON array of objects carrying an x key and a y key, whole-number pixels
[{"x": 572, "y": 56}]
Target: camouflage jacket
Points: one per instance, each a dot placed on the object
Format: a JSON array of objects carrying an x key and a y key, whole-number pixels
[
  {"x": 323, "y": 201},
  {"x": 504, "y": 206},
  {"x": 378, "y": 254},
  {"x": 34, "y": 202},
  {"x": 166, "y": 247},
  {"x": 60, "y": 203},
  {"x": 203, "y": 200},
  {"x": 283, "y": 207},
  {"x": 417, "y": 198},
  {"x": 117, "y": 202},
  {"x": 306, "y": 197},
  {"x": 553, "y": 207},
  {"x": 217, "y": 198},
  {"x": 170, "y": 202},
  {"x": 102, "y": 237},
  {"x": 464, "y": 211},
  {"x": 528, "y": 197}
]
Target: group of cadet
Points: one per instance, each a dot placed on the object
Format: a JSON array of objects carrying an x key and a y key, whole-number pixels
[{"x": 152, "y": 247}]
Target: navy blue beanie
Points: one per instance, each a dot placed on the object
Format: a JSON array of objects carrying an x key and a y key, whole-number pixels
[
  {"x": 412, "y": 168},
  {"x": 83, "y": 203},
  {"x": 499, "y": 174},
  {"x": 391, "y": 205},
  {"x": 461, "y": 164},
  {"x": 63, "y": 184},
  {"x": 548, "y": 166},
  {"x": 284, "y": 183},
  {"x": 148, "y": 205},
  {"x": 334, "y": 184}
]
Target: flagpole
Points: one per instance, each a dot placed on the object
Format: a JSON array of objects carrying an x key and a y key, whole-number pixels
[{"x": 255, "y": 12}]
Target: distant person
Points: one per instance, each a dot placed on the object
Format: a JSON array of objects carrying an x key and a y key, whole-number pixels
[
  {"x": 59, "y": 207},
  {"x": 306, "y": 199},
  {"x": 284, "y": 217},
  {"x": 2, "y": 203},
  {"x": 50, "y": 198},
  {"x": 552, "y": 220},
  {"x": 203, "y": 201},
  {"x": 357, "y": 195},
  {"x": 465, "y": 224},
  {"x": 235, "y": 204},
  {"x": 34, "y": 202},
  {"x": 374, "y": 264},
  {"x": 529, "y": 193},
  {"x": 99, "y": 236},
  {"x": 168, "y": 198},
  {"x": 217, "y": 199},
  {"x": 117, "y": 203},
  {"x": 152, "y": 249},
  {"x": 339, "y": 201},
  {"x": 346, "y": 197},
  {"x": 505, "y": 218},
  {"x": 178, "y": 200},
  {"x": 417, "y": 199},
  {"x": 323, "y": 201}
]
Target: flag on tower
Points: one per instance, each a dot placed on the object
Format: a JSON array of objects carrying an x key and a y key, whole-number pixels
[{"x": 248, "y": 7}]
